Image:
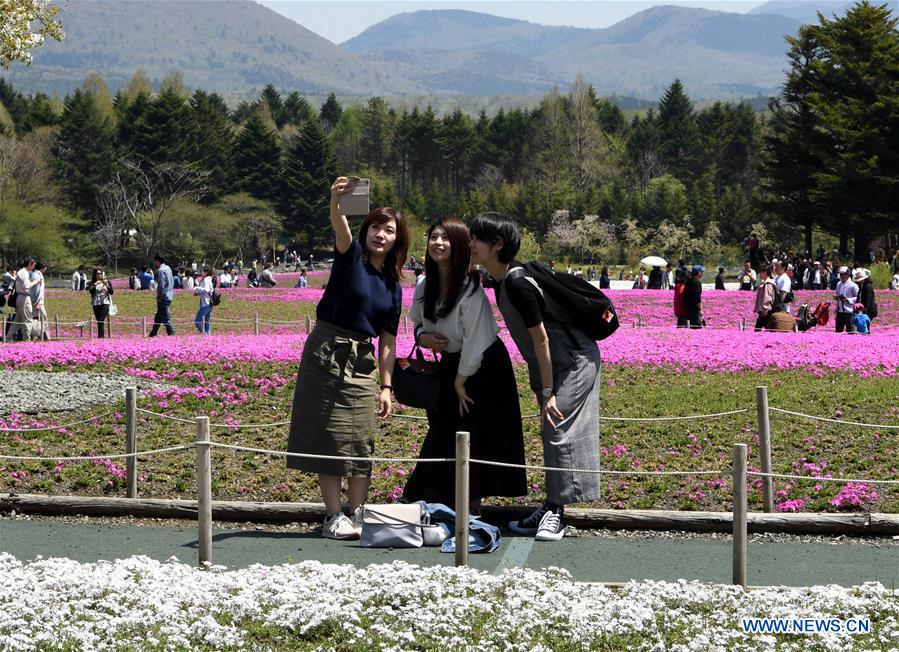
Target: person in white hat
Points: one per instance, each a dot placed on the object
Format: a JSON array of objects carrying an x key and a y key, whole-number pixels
[
  {"x": 846, "y": 295},
  {"x": 862, "y": 279},
  {"x": 784, "y": 286}
]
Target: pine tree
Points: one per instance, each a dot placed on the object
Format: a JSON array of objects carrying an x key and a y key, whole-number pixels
[
  {"x": 16, "y": 103},
  {"x": 375, "y": 134},
  {"x": 455, "y": 140},
  {"x": 129, "y": 111},
  {"x": 41, "y": 113},
  {"x": 309, "y": 169},
  {"x": 834, "y": 144},
  {"x": 167, "y": 131},
  {"x": 679, "y": 136},
  {"x": 297, "y": 109},
  {"x": 84, "y": 153},
  {"x": 213, "y": 148},
  {"x": 330, "y": 114},
  {"x": 272, "y": 98},
  {"x": 257, "y": 160}
]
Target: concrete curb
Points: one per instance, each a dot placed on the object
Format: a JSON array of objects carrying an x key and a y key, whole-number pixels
[{"x": 869, "y": 524}]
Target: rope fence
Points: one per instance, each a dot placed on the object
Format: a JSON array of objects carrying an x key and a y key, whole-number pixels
[
  {"x": 879, "y": 426},
  {"x": 462, "y": 461},
  {"x": 93, "y": 458}
]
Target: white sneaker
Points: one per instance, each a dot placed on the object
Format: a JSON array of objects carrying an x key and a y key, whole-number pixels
[
  {"x": 338, "y": 526},
  {"x": 357, "y": 520},
  {"x": 528, "y": 526},
  {"x": 551, "y": 527}
]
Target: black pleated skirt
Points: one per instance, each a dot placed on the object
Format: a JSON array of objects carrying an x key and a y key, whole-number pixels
[{"x": 494, "y": 422}]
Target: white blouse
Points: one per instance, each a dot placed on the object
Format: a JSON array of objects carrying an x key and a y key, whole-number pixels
[{"x": 470, "y": 327}]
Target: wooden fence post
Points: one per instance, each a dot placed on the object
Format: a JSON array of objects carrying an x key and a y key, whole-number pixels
[
  {"x": 761, "y": 406},
  {"x": 256, "y": 324},
  {"x": 131, "y": 441},
  {"x": 308, "y": 325},
  {"x": 463, "y": 466},
  {"x": 740, "y": 508},
  {"x": 144, "y": 319},
  {"x": 90, "y": 327},
  {"x": 204, "y": 491},
  {"x": 56, "y": 324}
]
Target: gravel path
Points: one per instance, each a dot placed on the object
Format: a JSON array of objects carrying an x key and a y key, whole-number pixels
[{"x": 33, "y": 392}]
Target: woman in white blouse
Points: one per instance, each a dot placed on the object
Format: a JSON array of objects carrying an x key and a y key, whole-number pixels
[{"x": 478, "y": 393}]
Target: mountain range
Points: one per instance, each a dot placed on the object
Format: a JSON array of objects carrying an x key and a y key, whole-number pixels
[{"x": 236, "y": 47}]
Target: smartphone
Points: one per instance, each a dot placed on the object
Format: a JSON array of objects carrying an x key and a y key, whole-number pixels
[{"x": 355, "y": 202}]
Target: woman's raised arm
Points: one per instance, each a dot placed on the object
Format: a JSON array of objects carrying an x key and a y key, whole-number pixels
[{"x": 343, "y": 237}]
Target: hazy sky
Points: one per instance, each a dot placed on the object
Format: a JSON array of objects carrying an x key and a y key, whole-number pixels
[{"x": 339, "y": 20}]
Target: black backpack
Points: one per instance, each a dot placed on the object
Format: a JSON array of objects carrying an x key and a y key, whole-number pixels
[
  {"x": 215, "y": 298},
  {"x": 574, "y": 301}
]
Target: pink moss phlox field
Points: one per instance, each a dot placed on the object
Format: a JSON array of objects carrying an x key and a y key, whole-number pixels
[{"x": 818, "y": 352}]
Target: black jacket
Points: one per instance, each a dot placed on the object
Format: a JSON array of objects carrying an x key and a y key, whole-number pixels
[
  {"x": 693, "y": 295},
  {"x": 866, "y": 298}
]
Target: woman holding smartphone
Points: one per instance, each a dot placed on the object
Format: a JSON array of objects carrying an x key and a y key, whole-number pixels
[
  {"x": 478, "y": 393},
  {"x": 338, "y": 380},
  {"x": 101, "y": 298}
]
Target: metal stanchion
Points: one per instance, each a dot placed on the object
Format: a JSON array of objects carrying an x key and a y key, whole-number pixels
[
  {"x": 761, "y": 405},
  {"x": 740, "y": 507},
  {"x": 463, "y": 454},
  {"x": 144, "y": 319},
  {"x": 256, "y": 324},
  {"x": 204, "y": 491},
  {"x": 131, "y": 441},
  {"x": 56, "y": 325}
]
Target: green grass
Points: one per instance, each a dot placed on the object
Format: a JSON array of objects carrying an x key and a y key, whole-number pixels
[{"x": 682, "y": 445}]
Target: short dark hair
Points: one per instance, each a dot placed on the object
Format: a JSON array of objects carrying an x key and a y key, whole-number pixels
[
  {"x": 491, "y": 227},
  {"x": 158, "y": 257},
  {"x": 40, "y": 265},
  {"x": 27, "y": 261}
]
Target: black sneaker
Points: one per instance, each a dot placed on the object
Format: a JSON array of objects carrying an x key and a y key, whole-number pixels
[
  {"x": 528, "y": 526},
  {"x": 551, "y": 528}
]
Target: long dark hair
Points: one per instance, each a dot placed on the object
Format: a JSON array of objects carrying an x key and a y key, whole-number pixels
[
  {"x": 396, "y": 257},
  {"x": 460, "y": 262}
]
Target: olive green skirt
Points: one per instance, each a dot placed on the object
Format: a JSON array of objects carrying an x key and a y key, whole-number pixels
[{"x": 334, "y": 403}]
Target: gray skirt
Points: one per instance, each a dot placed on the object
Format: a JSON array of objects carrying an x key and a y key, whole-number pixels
[
  {"x": 334, "y": 403},
  {"x": 574, "y": 442}
]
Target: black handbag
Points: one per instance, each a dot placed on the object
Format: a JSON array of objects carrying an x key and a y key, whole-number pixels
[{"x": 415, "y": 380}]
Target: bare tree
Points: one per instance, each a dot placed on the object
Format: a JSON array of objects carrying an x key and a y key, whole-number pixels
[
  {"x": 110, "y": 223},
  {"x": 32, "y": 171},
  {"x": 147, "y": 191}
]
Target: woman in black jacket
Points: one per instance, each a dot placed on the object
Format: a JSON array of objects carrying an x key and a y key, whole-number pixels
[{"x": 866, "y": 292}]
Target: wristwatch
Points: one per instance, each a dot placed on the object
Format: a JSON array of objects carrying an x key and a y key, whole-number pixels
[{"x": 546, "y": 392}]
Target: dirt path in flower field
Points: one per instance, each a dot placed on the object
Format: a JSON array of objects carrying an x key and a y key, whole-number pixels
[{"x": 788, "y": 561}]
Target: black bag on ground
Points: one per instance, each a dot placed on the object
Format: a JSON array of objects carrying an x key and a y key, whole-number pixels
[
  {"x": 415, "y": 380},
  {"x": 574, "y": 301},
  {"x": 805, "y": 318}
]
